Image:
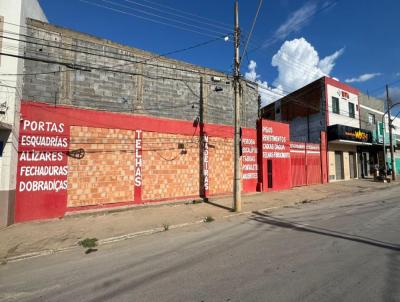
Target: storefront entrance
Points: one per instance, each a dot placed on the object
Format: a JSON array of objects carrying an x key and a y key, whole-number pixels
[
  {"x": 352, "y": 165},
  {"x": 339, "y": 165}
]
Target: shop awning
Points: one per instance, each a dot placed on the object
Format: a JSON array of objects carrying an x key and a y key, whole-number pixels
[{"x": 349, "y": 135}]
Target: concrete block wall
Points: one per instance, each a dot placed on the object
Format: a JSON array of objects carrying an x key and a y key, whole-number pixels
[{"x": 157, "y": 86}]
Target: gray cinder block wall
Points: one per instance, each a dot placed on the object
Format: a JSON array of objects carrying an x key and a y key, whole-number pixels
[
  {"x": 378, "y": 108},
  {"x": 104, "y": 75}
]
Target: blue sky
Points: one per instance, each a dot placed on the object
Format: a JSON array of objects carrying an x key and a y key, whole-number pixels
[{"x": 295, "y": 41}]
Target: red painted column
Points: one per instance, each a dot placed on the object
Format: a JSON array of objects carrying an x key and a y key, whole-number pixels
[{"x": 324, "y": 158}]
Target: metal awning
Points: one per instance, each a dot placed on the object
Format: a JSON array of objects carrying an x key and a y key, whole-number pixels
[{"x": 5, "y": 126}]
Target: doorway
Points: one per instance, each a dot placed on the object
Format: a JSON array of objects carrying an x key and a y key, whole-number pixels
[
  {"x": 339, "y": 164},
  {"x": 352, "y": 165},
  {"x": 269, "y": 170}
]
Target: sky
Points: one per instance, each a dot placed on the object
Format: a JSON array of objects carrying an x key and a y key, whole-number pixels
[{"x": 294, "y": 41}]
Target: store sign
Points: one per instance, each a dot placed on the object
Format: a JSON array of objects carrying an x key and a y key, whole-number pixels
[
  {"x": 249, "y": 159},
  {"x": 205, "y": 164},
  {"x": 274, "y": 145},
  {"x": 138, "y": 158},
  {"x": 42, "y": 157},
  {"x": 342, "y": 132}
]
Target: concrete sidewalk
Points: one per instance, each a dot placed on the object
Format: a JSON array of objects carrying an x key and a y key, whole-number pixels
[{"x": 45, "y": 237}]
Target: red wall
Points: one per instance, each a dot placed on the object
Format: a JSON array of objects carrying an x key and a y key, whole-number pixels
[
  {"x": 274, "y": 140},
  {"x": 45, "y": 143},
  {"x": 42, "y": 166},
  {"x": 298, "y": 164}
]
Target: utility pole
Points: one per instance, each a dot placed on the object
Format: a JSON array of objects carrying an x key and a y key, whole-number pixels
[
  {"x": 237, "y": 198},
  {"x": 389, "y": 106}
]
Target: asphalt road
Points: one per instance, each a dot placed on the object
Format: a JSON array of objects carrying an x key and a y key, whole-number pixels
[{"x": 336, "y": 250}]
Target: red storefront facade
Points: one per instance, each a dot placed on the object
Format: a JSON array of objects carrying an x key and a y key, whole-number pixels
[{"x": 76, "y": 159}]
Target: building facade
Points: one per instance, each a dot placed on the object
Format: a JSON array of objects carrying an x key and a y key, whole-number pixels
[
  {"x": 13, "y": 14},
  {"x": 331, "y": 106},
  {"x": 103, "y": 125}
]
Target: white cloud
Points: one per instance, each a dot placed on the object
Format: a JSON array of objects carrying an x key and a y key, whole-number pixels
[
  {"x": 252, "y": 75},
  {"x": 298, "y": 19},
  {"x": 298, "y": 64},
  {"x": 364, "y": 77},
  {"x": 397, "y": 74},
  {"x": 326, "y": 64},
  {"x": 267, "y": 93}
]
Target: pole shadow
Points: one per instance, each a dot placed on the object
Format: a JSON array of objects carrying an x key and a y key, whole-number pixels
[{"x": 283, "y": 223}]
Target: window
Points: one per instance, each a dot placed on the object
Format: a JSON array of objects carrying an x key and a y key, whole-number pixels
[
  {"x": 381, "y": 125},
  {"x": 351, "y": 110},
  {"x": 335, "y": 105},
  {"x": 371, "y": 119}
]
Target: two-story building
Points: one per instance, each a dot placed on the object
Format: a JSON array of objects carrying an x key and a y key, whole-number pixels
[
  {"x": 371, "y": 118},
  {"x": 331, "y": 106}
]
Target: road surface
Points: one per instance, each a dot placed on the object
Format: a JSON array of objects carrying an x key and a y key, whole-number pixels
[{"x": 334, "y": 250}]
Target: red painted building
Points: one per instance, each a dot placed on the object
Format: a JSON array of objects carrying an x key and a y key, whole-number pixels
[{"x": 74, "y": 159}]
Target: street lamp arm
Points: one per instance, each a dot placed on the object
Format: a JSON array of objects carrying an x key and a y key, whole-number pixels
[
  {"x": 390, "y": 108},
  {"x": 398, "y": 113}
]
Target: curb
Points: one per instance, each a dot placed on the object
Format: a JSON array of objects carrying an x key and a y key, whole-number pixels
[
  {"x": 120, "y": 238},
  {"x": 101, "y": 242}
]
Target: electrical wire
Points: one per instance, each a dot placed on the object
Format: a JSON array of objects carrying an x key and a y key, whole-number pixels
[
  {"x": 186, "y": 13},
  {"x": 126, "y": 60},
  {"x": 148, "y": 19},
  {"x": 251, "y": 31}
]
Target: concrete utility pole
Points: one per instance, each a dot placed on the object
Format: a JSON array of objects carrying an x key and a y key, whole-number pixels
[
  {"x": 237, "y": 199},
  {"x": 389, "y": 106}
]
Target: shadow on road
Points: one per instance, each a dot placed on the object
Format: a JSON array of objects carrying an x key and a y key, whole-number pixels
[
  {"x": 218, "y": 205},
  {"x": 279, "y": 222}
]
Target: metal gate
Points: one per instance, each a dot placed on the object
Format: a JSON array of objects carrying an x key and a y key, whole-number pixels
[{"x": 306, "y": 164}]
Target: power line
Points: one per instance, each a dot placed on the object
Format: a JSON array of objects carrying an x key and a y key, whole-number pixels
[
  {"x": 308, "y": 106},
  {"x": 147, "y": 19},
  {"x": 187, "y": 13},
  {"x": 183, "y": 16},
  {"x": 116, "y": 58},
  {"x": 162, "y": 17},
  {"x": 128, "y": 60},
  {"x": 272, "y": 40},
  {"x": 251, "y": 31}
]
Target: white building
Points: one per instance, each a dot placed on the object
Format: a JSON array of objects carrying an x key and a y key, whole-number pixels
[{"x": 13, "y": 14}]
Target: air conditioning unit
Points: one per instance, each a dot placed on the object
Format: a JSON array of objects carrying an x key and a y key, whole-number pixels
[{"x": 3, "y": 108}]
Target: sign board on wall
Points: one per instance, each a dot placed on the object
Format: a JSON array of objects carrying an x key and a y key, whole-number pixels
[
  {"x": 249, "y": 160},
  {"x": 42, "y": 166},
  {"x": 274, "y": 160},
  {"x": 342, "y": 132}
]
